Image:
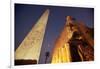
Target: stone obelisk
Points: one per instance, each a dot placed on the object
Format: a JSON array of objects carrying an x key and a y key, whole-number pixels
[{"x": 30, "y": 47}]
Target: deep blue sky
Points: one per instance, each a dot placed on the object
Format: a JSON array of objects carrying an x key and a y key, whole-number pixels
[{"x": 27, "y": 15}]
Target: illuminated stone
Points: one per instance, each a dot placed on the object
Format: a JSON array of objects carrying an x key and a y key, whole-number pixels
[
  {"x": 71, "y": 49},
  {"x": 61, "y": 43}
]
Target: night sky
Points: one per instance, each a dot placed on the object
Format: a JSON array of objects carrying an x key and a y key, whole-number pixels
[{"x": 26, "y": 15}]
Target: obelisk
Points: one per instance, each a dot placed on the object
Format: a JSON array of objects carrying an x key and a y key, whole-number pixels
[{"x": 30, "y": 47}]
